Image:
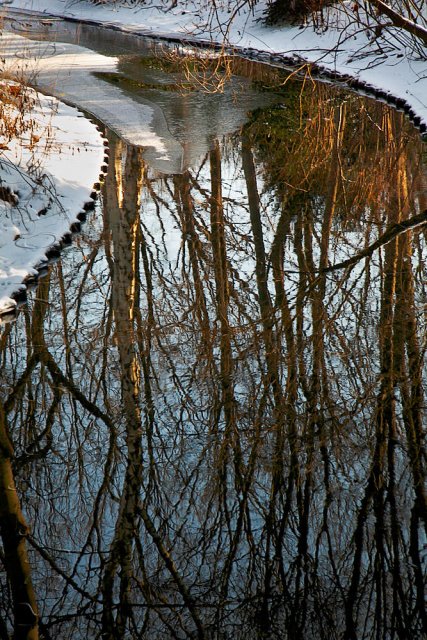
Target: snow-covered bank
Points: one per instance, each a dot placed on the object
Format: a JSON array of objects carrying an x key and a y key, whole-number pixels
[
  {"x": 344, "y": 47},
  {"x": 47, "y": 177}
]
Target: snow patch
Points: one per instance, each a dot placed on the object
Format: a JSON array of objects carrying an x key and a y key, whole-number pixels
[{"x": 50, "y": 171}]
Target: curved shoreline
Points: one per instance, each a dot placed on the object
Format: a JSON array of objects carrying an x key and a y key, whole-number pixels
[
  {"x": 45, "y": 217},
  {"x": 287, "y": 62},
  {"x": 53, "y": 253},
  {"x": 291, "y": 63}
]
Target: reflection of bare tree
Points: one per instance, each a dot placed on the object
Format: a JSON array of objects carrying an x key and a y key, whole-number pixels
[
  {"x": 133, "y": 343},
  {"x": 234, "y": 405},
  {"x": 14, "y": 529},
  {"x": 400, "y": 371},
  {"x": 123, "y": 223}
]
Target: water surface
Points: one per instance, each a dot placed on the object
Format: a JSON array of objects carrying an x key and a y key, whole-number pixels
[{"x": 216, "y": 400}]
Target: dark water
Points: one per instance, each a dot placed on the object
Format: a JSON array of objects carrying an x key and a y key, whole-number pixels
[{"x": 213, "y": 408}]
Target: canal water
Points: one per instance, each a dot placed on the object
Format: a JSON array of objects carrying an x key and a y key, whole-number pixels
[{"x": 216, "y": 398}]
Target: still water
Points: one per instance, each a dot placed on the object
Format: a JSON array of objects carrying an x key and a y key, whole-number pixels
[{"x": 213, "y": 407}]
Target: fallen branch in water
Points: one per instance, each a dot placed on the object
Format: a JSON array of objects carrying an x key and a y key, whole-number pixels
[{"x": 390, "y": 234}]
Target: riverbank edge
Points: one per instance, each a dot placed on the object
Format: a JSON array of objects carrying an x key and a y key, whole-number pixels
[
  {"x": 19, "y": 297},
  {"x": 290, "y": 63},
  {"x": 286, "y": 62}
]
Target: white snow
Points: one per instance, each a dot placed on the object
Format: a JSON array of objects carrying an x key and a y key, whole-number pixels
[
  {"x": 50, "y": 170},
  {"x": 385, "y": 62}
]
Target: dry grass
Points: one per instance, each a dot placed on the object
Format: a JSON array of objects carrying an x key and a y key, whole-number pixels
[{"x": 16, "y": 101}]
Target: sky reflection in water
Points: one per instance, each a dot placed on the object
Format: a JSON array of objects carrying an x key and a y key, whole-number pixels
[{"x": 216, "y": 399}]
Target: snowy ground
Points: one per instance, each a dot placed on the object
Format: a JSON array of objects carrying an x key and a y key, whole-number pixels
[
  {"x": 46, "y": 177},
  {"x": 345, "y": 46}
]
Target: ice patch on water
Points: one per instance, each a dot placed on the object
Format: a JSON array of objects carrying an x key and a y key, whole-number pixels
[{"x": 67, "y": 72}]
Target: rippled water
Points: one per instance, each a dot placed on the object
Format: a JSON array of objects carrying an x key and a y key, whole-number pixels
[{"x": 215, "y": 400}]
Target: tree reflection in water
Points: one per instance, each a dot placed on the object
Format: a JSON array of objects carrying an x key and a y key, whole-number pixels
[{"x": 213, "y": 407}]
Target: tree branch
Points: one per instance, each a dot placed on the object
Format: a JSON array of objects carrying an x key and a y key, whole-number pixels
[{"x": 400, "y": 21}]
